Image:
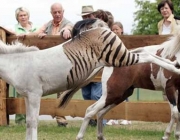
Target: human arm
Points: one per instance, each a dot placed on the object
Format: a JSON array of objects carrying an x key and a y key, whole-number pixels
[{"x": 66, "y": 31}]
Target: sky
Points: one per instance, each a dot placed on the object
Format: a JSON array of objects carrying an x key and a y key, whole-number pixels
[{"x": 122, "y": 10}]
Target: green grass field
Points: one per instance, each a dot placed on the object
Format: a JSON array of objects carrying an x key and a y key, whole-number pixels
[{"x": 48, "y": 130}]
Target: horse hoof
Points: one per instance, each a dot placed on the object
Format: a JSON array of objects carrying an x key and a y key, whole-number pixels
[
  {"x": 101, "y": 138},
  {"x": 165, "y": 138},
  {"x": 78, "y": 138}
]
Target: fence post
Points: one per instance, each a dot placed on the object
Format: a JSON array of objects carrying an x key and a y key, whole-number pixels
[{"x": 4, "y": 117}]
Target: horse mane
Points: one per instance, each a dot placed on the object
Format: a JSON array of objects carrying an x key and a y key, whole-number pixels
[
  {"x": 82, "y": 25},
  {"x": 15, "y": 47},
  {"x": 172, "y": 46}
]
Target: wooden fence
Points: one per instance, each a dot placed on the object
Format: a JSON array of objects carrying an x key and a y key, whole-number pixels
[{"x": 143, "y": 111}]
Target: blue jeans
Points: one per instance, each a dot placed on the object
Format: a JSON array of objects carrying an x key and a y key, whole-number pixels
[{"x": 92, "y": 91}]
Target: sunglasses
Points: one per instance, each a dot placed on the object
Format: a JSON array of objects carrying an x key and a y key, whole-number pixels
[{"x": 86, "y": 16}]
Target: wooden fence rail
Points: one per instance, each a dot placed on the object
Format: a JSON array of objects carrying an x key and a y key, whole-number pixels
[
  {"x": 141, "y": 111},
  {"x": 144, "y": 111}
]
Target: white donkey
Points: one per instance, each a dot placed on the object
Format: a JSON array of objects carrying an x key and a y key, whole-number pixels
[{"x": 66, "y": 66}]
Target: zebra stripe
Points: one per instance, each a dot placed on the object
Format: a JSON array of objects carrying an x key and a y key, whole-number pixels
[
  {"x": 122, "y": 58},
  {"x": 105, "y": 38},
  {"x": 116, "y": 54},
  {"x": 102, "y": 45},
  {"x": 128, "y": 59},
  {"x": 132, "y": 60},
  {"x": 110, "y": 46}
]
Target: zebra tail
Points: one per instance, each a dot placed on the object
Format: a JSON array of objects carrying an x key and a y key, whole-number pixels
[{"x": 66, "y": 96}]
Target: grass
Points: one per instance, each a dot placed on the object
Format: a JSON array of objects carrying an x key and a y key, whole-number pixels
[{"x": 48, "y": 130}]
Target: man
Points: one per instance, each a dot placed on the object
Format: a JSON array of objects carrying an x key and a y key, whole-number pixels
[
  {"x": 93, "y": 90},
  {"x": 87, "y": 12},
  {"x": 59, "y": 25}
]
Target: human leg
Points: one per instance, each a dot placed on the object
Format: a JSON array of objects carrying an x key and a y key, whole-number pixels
[
  {"x": 87, "y": 95},
  {"x": 86, "y": 92},
  {"x": 96, "y": 93},
  {"x": 96, "y": 90}
]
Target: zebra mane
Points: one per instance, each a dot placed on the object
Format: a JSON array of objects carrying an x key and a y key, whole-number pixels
[
  {"x": 172, "y": 46},
  {"x": 86, "y": 24},
  {"x": 82, "y": 25},
  {"x": 15, "y": 47}
]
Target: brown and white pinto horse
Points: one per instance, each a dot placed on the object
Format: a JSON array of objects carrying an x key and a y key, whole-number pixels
[{"x": 119, "y": 83}]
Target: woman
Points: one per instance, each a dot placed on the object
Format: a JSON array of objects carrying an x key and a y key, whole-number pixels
[
  {"x": 117, "y": 28},
  {"x": 169, "y": 22},
  {"x": 22, "y": 28}
]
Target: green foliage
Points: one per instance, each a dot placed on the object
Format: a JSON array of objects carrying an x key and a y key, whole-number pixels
[
  {"x": 176, "y": 4},
  {"x": 147, "y": 17}
]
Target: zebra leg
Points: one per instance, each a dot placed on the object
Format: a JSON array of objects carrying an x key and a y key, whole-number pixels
[
  {"x": 90, "y": 112},
  {"x": 100, "y": 116}
]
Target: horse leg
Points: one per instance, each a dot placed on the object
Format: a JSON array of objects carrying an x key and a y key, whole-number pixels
[
  {"x": 177, "y": 116},
  {"x": 172, "y": 95},
  {"x": 162, "y": 62},
  {"x": 142, "y": 50},
  {"x": 100, "y": 116},
  {"x": 32, "y": 114},
  {"x": 177, "y": 132},
  {"x": 90, "y": 112},
  {"x": 168, "y": 130}
]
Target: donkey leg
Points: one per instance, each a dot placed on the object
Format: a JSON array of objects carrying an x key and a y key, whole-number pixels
[
  {"x": 32, "y": 114},
  {"x": 100, "y": 116},
  {"x": 90, "y": 112}
]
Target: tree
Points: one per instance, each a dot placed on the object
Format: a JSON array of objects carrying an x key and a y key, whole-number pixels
[{"x": 147, "y": 17}]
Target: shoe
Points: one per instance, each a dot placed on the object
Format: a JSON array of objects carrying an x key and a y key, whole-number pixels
[
  {"x": 93, "y": 122},
  {"x": 60, "y": 124},
  {"x": 125, "y": 122},
  {"x": 112, "y": 122}
]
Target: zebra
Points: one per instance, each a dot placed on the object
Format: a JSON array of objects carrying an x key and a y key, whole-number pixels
[{"x": 97, "y": 47}]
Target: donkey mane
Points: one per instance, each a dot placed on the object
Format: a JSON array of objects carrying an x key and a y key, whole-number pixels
[
  {"x": 82, "y": 25},
  {"x": 15, "y": 47},
  {"x": 172, "y": 46}
]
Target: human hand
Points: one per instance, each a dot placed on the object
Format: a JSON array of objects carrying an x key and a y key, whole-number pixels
[
  {"x": 21, "y": 36},
  {"x": 66, "y": 33},
  {"x": 41, "y": 35}
]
